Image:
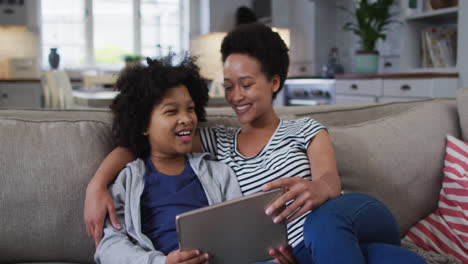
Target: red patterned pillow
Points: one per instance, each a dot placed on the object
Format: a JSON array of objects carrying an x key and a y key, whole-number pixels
[{"x": 446, "y": 230}]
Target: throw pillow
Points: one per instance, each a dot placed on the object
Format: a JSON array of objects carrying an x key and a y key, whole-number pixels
[
  {"x": 446, "y": 230},
  {"x": 398, "y": 158}
]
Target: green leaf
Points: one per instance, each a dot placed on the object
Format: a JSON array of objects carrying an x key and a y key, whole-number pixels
[{"x": 371, "y": 23}]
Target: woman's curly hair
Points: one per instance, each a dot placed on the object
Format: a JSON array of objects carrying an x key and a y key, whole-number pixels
[
  {"x": 142, "y": 88},
  {"x": 260, "y": 42}
]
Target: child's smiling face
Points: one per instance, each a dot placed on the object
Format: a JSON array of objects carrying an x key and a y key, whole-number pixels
[{"x": 172, "y": 124}]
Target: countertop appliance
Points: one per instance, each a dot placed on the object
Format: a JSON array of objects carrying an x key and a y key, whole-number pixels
[{"x": 309, "y": 91}]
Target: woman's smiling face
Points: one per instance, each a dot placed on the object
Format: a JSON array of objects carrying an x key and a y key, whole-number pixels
[{"x": 247, "y": 88}]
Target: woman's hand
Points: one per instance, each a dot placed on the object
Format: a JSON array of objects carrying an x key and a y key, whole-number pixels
[
  {"x": 283, "y": 255},
  {"x": 98, "y": 200},
  {"x": 307, "y": 195},
  {"x": 98, "y": 203},
  {"x": 186, "y": 257}
]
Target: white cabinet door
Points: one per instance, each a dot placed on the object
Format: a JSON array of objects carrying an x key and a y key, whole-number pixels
[
  {"x": 386, "y": 99},
  {"x": 408, "y": 87},
  {"x": 420, "y": 88},
  {"x": 371, "y": 87},
  {"x": 21, "y": 95},
  {"x": 353, "y": 99},
  {"x": 13, "y": 13}
]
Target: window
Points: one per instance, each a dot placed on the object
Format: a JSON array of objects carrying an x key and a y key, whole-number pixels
[
  {"x": 112, "y": 31},
  {"x": 99, "y": 33},
  {"x": 62, "y": 27},
  {"x": 160, "y": 28}
]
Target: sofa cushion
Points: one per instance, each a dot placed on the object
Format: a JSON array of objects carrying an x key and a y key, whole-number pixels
[
  {"x": 398, "y": 159},
  {"x": 462, "y": 105},
  {"x": 328, "y": 115},
  {"x": 46, "y": 160},
  {"x": 341, "y": 115},
  {"x": 225, "y": 116},
  {"x": 444, "y": 231}
]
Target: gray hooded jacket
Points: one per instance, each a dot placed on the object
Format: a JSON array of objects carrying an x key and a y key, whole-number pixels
[{"x": 129, "y": 244}]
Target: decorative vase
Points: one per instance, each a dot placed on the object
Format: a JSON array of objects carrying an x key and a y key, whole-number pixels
[
  {"x": 54, "y": 58},
  {"x": 367, "y": 61},
  {"x": 333, "y": 66}
]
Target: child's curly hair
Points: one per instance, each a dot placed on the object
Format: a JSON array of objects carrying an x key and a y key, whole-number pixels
[{"x": 142, "y": 88}]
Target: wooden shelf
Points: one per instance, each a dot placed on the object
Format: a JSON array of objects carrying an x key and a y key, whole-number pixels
[
  {"x": 414, "y": 24},
  {"x": 430, "y": 73},
  {"x": 443, "y": 13},
  {"x": 440, "y": 70}
]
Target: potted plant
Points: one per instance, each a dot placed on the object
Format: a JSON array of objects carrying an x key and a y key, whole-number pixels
[
  {"x": 372, "y": 19},
  {"x": 132, "y": 59}
]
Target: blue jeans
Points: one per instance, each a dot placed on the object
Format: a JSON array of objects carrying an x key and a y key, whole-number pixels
[{"x": 353, "y": 228}]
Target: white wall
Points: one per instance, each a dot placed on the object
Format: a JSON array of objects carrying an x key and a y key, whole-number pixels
[
  {"x": 213, "y": 15},
  {"x": 16, "y": 42},
  {"x": 462, "y": 63}
]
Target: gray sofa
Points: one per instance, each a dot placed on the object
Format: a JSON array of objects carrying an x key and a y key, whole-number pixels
[{"x": 391, "y": 151}]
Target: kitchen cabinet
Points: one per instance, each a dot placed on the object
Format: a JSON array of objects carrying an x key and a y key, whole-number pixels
[
  {"x": 312, "y": 31},
  {"x": 13, "y": 13},
  {"x": 213, "y": 16},
  {"x": 19, "y": 94},
  {"x": 341, "y": 99},
  {"x": 310, "y": 24},
  {"x": 411, "y": 60},
  {"x": 384, "y": 88},
  {"x": 20, "y": 13},
  {"x": 357, "y": 91}
]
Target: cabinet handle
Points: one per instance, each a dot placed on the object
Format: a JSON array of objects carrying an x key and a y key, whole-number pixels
[
  {"x": 354, "y": 86},
  {"x": 8, "y": 11},
  {"x": 405, "y": 87},
  {"x": 4, "y": 95}
]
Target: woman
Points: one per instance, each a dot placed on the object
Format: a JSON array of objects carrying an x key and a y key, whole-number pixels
[{"x": 267, "y": 153}]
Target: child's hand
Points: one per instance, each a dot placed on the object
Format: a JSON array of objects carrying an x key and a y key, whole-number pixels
[
  {"x": 186, "y": 257},
  {"x": 283, "y": 255}
]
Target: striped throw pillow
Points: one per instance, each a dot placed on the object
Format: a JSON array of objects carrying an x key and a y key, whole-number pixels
[{"x": 446, "y": 230}]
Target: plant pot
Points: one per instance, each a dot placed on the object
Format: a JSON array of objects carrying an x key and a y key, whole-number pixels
[
  {"x": 367, "y": 61},
  {"x": 132, "y": 63}
]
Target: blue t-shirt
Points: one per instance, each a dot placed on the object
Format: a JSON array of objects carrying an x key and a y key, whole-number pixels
[{"x": 163, "y": 198}]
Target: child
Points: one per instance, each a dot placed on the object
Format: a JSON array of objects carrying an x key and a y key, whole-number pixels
[{"x": 155, "y": 116}]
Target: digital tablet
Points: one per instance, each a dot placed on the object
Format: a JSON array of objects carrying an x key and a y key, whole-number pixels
[{"x": 235, "y": 231}]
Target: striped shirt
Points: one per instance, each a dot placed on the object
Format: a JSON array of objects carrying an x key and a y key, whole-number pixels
[{"x": 285, "y": 155}]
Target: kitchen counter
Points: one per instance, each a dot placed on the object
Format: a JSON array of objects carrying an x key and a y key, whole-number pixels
[
  {"x": 19, "y": 80},
  {"x": 33, "y": 80},
  {"x": 423, "y": 75},
  {"x": 391, "y": 87}
]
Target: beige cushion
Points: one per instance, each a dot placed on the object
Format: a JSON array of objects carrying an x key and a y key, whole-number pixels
[
  {"x": 398, "y": 159},
  {"x": 46, "y": 160},
  {"x": 340, "y": 115},
  {"x": 328, "y": 115},
  {"x": 462, "y": 105}
]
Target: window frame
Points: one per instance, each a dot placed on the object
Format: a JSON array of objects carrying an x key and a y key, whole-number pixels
[{"x": 90, "y": 62}]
